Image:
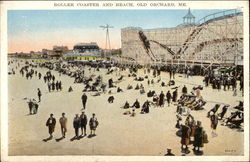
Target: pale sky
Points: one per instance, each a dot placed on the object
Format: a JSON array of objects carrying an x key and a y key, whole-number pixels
[{"x": 33, "y": 30}]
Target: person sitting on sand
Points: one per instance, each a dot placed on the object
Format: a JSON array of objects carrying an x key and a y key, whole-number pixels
[
  {"x": 119, "y": 90},
  {"x": 137, "y": 87},
  {"x": 70, "y": 89},
  {"x": 136, "y": 104},
  {"x": 111, "y": 99},
  {"x": 142, "y": 91},
  {"x": 171, "y": 82},
  {"x": 126, "y": 105},
  {"x": 129, "y": 87},
  {"x": 120, "y": 78},
  {"x": 145, "y": 107}
]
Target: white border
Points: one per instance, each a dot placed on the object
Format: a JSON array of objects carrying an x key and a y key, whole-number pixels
[{"x": 42, "y": 5}]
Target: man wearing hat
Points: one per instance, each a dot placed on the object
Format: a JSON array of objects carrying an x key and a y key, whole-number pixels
[
  {"x": 63, "y": 122},
  {"x": 76, "y": 125},
  {"x": 84, "y": 100},
  {"x": 51, "y": 123},
  {"x": 93, "y": 123},
  {"x": 83, "y": 121}
]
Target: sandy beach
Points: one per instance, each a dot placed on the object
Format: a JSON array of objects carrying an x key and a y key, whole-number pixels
[{"x": 117, "y": 134}]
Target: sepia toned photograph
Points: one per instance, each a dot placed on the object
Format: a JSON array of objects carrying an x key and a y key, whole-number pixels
[{"x": 126, "y": 82}]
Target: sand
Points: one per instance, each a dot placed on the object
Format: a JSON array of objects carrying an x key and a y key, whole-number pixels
[{"x": 117, "y": 134}]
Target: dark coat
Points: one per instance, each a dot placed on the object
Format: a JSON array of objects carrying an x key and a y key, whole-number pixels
[
  {"x": 168, "y": 97},
  {"x": 198, "y": 137},
  {"x": 145, "y": 107},
  {"x": 184, "y": 90},
  {"x": 161, "y": 102},
  {"x": 51, "y": 123},
  {"x": 175, "y": 96},
  {"x": 136, "y": 104},
  {"x": 185, "y": 136},
  {"x": 39, "y": 93},
  {"x": 76, "y": 123},
  {"x": 84, "y": 98},
  {"x": 83, "y": 120}
]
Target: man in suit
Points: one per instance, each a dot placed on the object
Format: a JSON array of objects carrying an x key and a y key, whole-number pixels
[
  {"x": 39, "y": 94},
  {"x": 84, "y": 100},
  {"x": 51, "y": 123},
  {"x": 63, "y": 122},
  {"x": 76, "y": 125},
  {"x": 83, "y": 121}
]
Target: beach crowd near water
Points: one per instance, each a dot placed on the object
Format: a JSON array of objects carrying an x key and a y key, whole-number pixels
[{"x": 136, "y": 92}]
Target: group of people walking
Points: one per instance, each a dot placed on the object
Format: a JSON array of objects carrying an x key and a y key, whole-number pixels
[{"x": 79, "y": 122}]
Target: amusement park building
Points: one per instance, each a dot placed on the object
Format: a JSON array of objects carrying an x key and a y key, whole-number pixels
[{"x": 214, "y": 39}]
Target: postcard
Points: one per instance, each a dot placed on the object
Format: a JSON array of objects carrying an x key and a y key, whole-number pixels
[{"x": 124, "y": 81}]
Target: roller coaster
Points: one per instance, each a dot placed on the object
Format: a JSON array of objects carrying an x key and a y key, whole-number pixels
[{"x": 216, "y": 39}]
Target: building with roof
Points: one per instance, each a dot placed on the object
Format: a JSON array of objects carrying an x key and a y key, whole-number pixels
[{"x": 87, "y": 48}]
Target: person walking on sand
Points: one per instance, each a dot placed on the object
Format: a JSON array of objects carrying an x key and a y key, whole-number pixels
[
  {"x": 198, "y": 137},
  {"x": 51, "y": 123},
  {"x": 214, "y": 123},
  {"x": 93, "y": 123},
  {"x": 83, "y": 121},
  {"x": 84, "y": 100},
  {"x": 30, "y": 104},
  {"x": 76, "y": 125},
  {"x": 175, "y": 95},
  {"x": 161, "y": 101},
  {"x": 168, "y": 95},
  {"x": 39, "y": 94},
  {"x": 63, "y": 122}
]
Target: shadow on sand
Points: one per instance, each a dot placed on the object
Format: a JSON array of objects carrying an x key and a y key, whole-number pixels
[
  {"x": 59, "y": 139},
  {"x": 91, "y": 135},
  {"x": 77, "y": 138},
  {"x": 47, "y": 139}
]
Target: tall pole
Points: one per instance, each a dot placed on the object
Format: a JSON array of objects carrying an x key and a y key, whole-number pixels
[{"x": 107, "y": 43}]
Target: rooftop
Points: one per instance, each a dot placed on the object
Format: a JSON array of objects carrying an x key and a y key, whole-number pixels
[
  {"x": 87, "y": 44},
  {"x": 189, "y": 14}
]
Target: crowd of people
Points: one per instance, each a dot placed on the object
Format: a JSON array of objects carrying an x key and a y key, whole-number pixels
[{"x": 191, "y": 131}]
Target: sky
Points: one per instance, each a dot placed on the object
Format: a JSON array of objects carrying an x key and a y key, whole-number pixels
[{"x": 33, "y": 30}]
